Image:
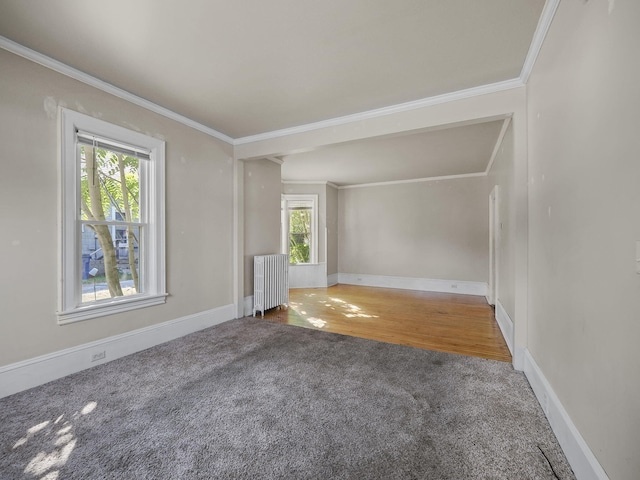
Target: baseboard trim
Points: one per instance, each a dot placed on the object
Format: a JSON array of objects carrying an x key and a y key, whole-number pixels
[
  {"x": 332, "y": 280},
  {"x": 506, "y": 325},
  {"x": 410, "y": 283},
  {"x": 36, "y": 371},
  {"x": 579, "y": 455},
  {"x": 308, "y": 275},
  {"x": 518, "y": 358}
]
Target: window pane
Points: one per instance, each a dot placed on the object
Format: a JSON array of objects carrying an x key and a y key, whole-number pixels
[
  {"x": 300, "y": 234},
  {"x": 109, "y": 185},
  {"x": 110, "y": 261}
]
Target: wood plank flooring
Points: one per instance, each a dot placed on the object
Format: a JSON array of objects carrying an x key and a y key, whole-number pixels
[{"x": 463, "y": 324}]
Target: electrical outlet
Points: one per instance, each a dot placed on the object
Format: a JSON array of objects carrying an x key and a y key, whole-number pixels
[{"x": 98, "y": 356}]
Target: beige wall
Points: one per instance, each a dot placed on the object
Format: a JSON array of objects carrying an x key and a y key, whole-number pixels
[
  {"x": 436, "y": 229},
  {"x": 199, "y": 192},
  {"x": 501, "y": 174},
  {"x": 332, "y": 230},
  {"x": 261, "y": 214},
  {"x": 584, "y": 324}
]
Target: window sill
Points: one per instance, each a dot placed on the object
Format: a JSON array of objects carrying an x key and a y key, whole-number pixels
[{"x": 109, "y": 308}]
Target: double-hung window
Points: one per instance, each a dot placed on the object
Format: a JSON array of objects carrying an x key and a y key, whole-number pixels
[
  {"x": 112, "y": 219},
  {"x": 300, "y": 228}
]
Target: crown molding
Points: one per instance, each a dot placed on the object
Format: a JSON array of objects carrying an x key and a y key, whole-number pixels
[
  {"x": 310, "y": 182},
  {"x": 414, "y": 180},
  {"x": 544, "y": 23},
  {"x": 542, "y": 28},
  {"x": 76, "y": 74},
  {"x": 379, "y": 112}
]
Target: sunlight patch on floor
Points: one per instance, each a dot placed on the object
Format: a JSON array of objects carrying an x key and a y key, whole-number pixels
[
  {"x": 316, "y": 322},
  {"x": 348, "y": 310},
  {"x": 57, "y": 441},
  {"x": 352, "y": 311}
]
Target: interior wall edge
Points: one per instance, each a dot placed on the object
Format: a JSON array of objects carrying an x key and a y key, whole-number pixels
[{"x": 506, "y": 325}]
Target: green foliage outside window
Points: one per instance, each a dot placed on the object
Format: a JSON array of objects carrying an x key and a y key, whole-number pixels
[
  {"x": 300, "y": 235},
  {"x": 110, "y": 179}
]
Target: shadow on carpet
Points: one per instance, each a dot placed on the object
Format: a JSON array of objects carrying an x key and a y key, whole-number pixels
[{"x": 255, "y": 399}]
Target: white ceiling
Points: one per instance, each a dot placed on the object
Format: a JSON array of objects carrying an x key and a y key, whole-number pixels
[
  {"x": 436, "y": 153},
  {"x": 249, "y": 67}
]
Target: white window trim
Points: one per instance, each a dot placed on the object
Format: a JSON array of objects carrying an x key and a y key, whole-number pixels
[
  {"x": 284, "y": 234},
  {"x": 69, "y": 308}
]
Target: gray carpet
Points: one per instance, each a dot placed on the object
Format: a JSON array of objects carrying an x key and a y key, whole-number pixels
[{"x": 253, "y": 399}]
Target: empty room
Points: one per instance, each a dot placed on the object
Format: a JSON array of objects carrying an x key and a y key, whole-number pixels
[{"x": 451, "y": 189}]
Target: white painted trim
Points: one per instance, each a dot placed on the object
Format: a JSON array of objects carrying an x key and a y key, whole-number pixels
[
  {"x": 379, "y": 112},
  {"x": 494, "y": 245},
  {"x": 518, "y": 358},
  {"x": 309, "y": 182},
  {"x": 579, "y": 455},
  {"x": 496, "y": 148},
  {"x": 409, "y": 283},
  {"x": 118, "y": 305},
  {"x": 87, "y": 79},
  {"x": 546, "y": 17},
  {"x": 415, "y": 180},
  {"x": 57, "y": 66},
  {"x": 238, "y": 224},
  {"x": 284, "y": 230},
  {"x": 36, "y": 371},
  {"x": 152, "y": 213},
  {"x": 248, "y": 306},
  {"x": 332, "y": 279},
  {"x": 310, "y": 275},
  {"x": 506, "y": 325}
]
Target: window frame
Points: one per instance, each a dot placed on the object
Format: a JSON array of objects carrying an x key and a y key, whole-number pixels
[
  {"x": 70, "y": 307},
  {"x": 313, "y": 250}
]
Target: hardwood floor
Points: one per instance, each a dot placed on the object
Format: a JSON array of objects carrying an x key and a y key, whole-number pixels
[{"x": 463, "y": 324}]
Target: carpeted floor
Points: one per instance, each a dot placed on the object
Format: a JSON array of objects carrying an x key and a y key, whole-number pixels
[{"x": 254, "y": 399}]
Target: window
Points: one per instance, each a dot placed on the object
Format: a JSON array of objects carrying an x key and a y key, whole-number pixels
[
  {"x": 300, "y": 228},
  {"x": 112, "y": 219}
]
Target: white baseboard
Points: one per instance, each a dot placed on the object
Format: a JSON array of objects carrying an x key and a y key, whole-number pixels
[
  {"x": 409, "y": 283},
  {"x": 518, "y": 358},
  {"x": 308, "y": 276},
  {"x": 36, "y": 371},
  {"x": 580, "y": 457},
  {"x": 332, "y": 280},
  {"x": 248, "y": 306},
  {"x": 506, "y": 325}
]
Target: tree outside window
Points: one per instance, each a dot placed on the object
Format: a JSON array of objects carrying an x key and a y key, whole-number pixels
[
  {"x": 110, "y": 209},
  {"x": 299, "y": 228}
]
